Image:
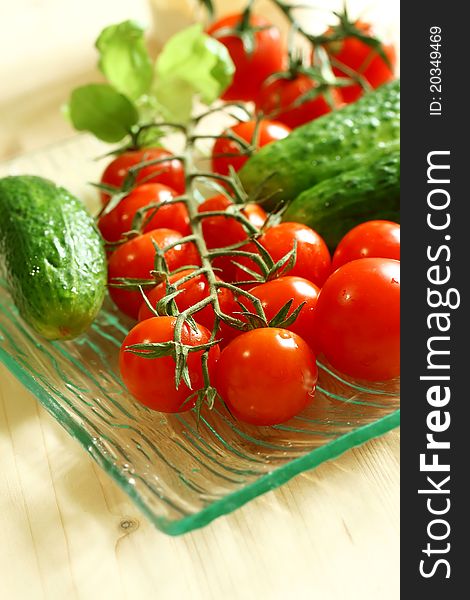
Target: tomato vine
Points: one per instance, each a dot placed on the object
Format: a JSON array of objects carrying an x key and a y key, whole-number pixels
[{"x": 245, "y": 319}]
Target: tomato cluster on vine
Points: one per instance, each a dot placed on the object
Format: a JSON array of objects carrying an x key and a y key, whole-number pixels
[
  {"x": 232, "y": 305},
  {"x": 256, "y": 346},
  {"x": 287, "y": 90},
  {"x": 346, "y": 60}
]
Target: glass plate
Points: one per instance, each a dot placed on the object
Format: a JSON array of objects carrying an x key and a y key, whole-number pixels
[{"x": 180, "y": 475}]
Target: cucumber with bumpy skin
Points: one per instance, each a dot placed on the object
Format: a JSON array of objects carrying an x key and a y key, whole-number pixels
[
  {"x": 336, "y": 205},
  {"x": 337, "y": 142},
  {"x": 51, "y": 255}
]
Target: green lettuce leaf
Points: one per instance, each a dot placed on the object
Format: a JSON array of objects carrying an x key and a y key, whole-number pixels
[
  {"x": 103, "y": 111},
  {"x": 124, "y": 59},
  {"x": 191, "y": 64}
]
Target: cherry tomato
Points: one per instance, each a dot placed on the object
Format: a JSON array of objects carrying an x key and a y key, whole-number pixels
[
  {"x": 193, "y": 291},
  {"x": 169, "y": 173},
  {"x": 152, "y": 380},
  {"x": 313, "y": 260},
  {"x": 267, "y": 132},
  {"x": 220, "y": 232},
  {"x": 267, "y": 376},
  {"x": 135, "y": 259},
  {"x": 363, "y": 59},
  {"x": 372, "y": 239},
  {"x": 172, "y": 216},
  {"x": 357, "y": 319},
  {"x": 274, "y": 295},
  {"x": 281, "y": 100},
  {"x": 268, "y": 56}
]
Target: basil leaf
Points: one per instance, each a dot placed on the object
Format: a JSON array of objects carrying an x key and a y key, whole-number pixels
[
  {"x": 103, "y": 111},
  {"x": 124, "y": 59},
  {"x": 191, "y": 63}
]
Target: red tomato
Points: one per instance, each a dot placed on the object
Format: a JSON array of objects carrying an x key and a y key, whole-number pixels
[
  {"x": 172, "y": 216},
  {"x": 224, "y": 231},
  {"x": 268, "y": 56},
  {"x": 152, "y": 380},
  {"x": 361, "y": 58},
  {"x": 274, "y": 295},
  {"x": 192, "y": 292},
  {"x": 169, "y": 173},
  {"x": 268, "y": 131},
  {"x": 220, "y": 232},
  {"x": 313, "y": 260},
  {"x": 135, "y": 259},
  {"x": 357, "y": 319},
  {"x": 281, "y": 100},
  {"x": 372, "y": 239},
  {"x": 267, "y": 376}
]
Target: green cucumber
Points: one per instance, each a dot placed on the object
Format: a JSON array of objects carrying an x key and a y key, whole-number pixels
[
  {"x": 338, "y": 204},
  {"x": 51, "y": 255},
  {"x": 325, "y": 147}
]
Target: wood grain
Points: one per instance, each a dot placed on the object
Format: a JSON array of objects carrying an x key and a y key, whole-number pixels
[{"x": 69, "y": 532}]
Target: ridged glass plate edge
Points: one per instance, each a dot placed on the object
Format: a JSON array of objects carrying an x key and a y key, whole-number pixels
[{"x": 225, "y": 505}]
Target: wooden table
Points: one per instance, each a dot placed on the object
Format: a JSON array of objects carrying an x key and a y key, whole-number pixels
[{"x": 68, "y": 531}]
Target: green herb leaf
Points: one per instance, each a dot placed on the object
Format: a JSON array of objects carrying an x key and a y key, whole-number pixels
[
  {"x": 124, "y": 59},
  {"x": 191, "y": 63},
  {"x": 103, "y": 111}
]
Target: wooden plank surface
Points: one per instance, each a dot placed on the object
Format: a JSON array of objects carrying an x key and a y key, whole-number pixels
[
  {"x": 67, "y": 530},
  {"x": 62, "y": 516}
]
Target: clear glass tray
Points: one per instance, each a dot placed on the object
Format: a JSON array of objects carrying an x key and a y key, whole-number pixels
[{"x": 180, "y": 475}]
